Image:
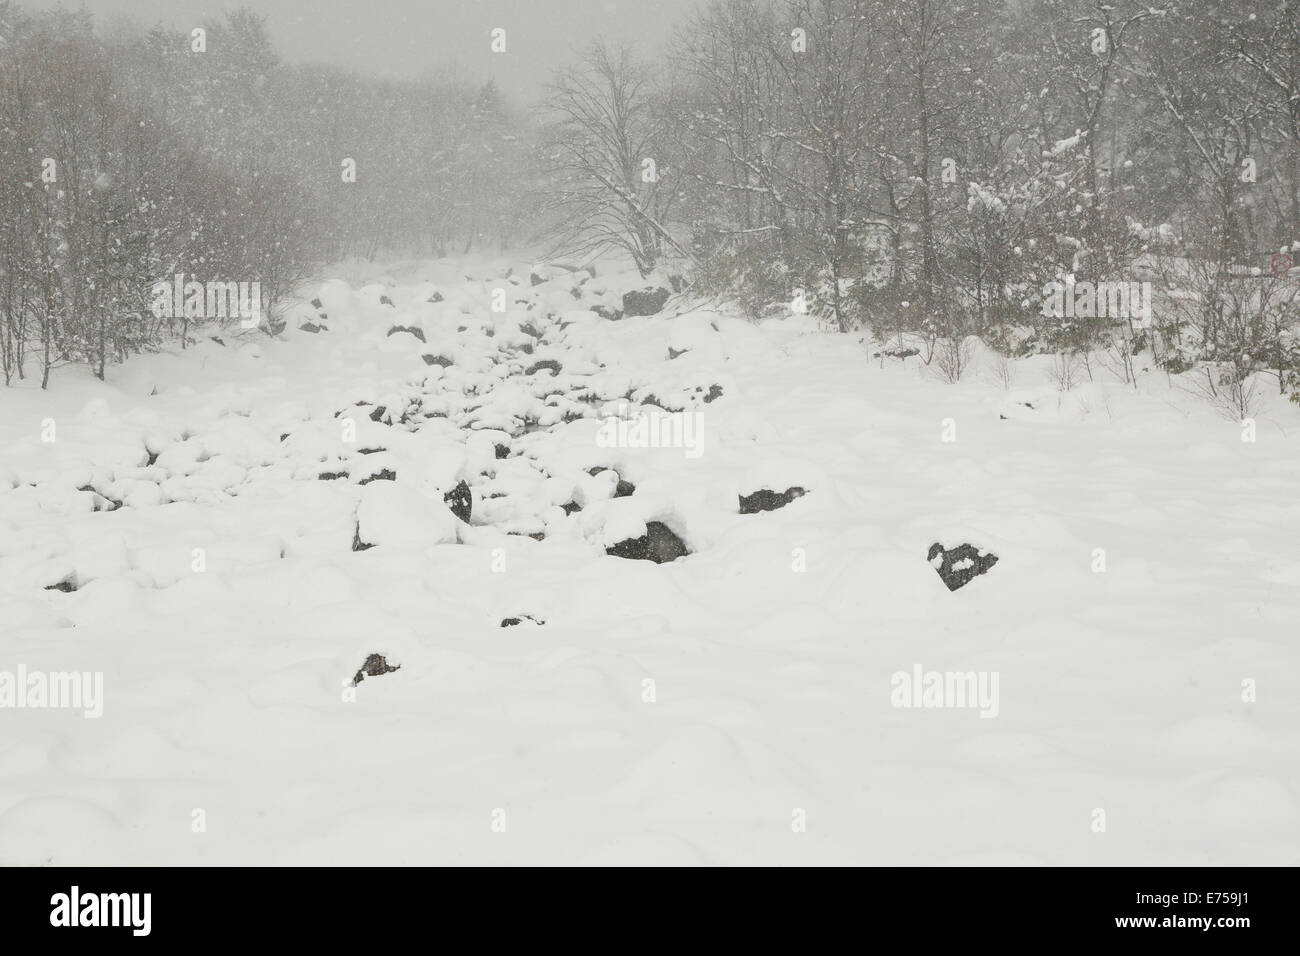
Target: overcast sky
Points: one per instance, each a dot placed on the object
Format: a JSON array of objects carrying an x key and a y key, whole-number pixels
[{"x": 405, "y": 37}]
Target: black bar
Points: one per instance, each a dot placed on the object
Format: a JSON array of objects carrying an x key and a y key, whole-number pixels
[{"x": 377, "y": 906}]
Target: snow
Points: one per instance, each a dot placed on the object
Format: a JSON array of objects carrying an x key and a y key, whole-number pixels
[
  {"x": 394, "y": 515},
  {"x": 681, "y": 713}
]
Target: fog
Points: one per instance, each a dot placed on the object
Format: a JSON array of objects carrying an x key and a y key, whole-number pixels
[{"x": 404, "y": 38}]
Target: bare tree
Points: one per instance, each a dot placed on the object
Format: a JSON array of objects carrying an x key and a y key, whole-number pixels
[{"x": 607, "y": 152}]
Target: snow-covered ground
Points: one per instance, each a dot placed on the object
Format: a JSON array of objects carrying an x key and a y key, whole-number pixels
[{"x": 732, "y": 706}]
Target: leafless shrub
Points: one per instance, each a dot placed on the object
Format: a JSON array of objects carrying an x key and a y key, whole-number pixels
[
  {"x": 1065, "y": 371},
  {"x": 1002, "y": 370},
  {"x": 952, "y": 358},
  {"x": 1233, "y": 390}
]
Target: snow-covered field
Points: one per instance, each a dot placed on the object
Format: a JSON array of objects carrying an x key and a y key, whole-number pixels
[{"x": 733, "y": 706}]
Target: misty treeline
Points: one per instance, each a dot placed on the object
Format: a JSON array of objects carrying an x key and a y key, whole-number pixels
[
  {"x": 918, "y": 167},
  {"x": 128, "y": 156},
  {"x": 927, "y": 166}
]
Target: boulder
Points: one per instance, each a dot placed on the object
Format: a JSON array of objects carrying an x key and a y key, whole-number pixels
[
  {"x": 460, "y": 501},
  {"x": 384, "y": 474},
  {"x": 409, "y": 329},
  {"x": 395, "y": 515},
  {"x": 550, "y": 364},
  {"x": 647, "y": 301},
  {"x": 375, "y": 666},
  {"x": 658, "y": 544},
  {"x": 766, "y": 500},
  {"x": 958, "y": 566},
  {"x": 623, "y": 489},
  {"x": 513, "y": 621}
]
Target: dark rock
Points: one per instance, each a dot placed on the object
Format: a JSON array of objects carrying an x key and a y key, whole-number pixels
[
  {"x": 570, "y": 507},
  {"x": 331, "y": 475},
  {"x": 370, "y": 451},
  {"x": 529, "y": 329},
  {"x": 379, "y": 412},
  {"x": 218, "y": 339},
  {"x": 535, "y": 279},
  {"x": 624, "y": 489},
  {"x": 501, "y": 451},
  {"x": 438, "y": 360},
  {"x": 715, "y": 392},
  {"x": 613, "y": 315},
  {"x": 382, "y": 475},
  {"x": 418, "y": 333},
  {"x": 552, "y": 364},
  {"x": 102, "y": 501},
  {"x": 67, "y": 585},
  {"x": 311, "y": 327},
  {"x": 512, "y": 621},
  {"x": 385, "y": 300},
  {"x": 677, "y": 282},
  {"x": 460, "y": 501},
  {"x": 674, "y": 353},
  {"x": 375, "y": 666},
  {"x": 658, "y": 544},
  {"x": 958, "y": 566},
  {"x": 765, "y": 500},
  {"x": 657, "y": 402},
  {"x": 357, "y": 543},
  {"x": 647, "y": 301},
  {"x": 318, "y": 304},
  {"x": 436, "y": 297},
  {"x": 899, "y": 352}
]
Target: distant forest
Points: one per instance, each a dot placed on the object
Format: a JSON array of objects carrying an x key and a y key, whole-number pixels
[{"x": 919, "y": 167}]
